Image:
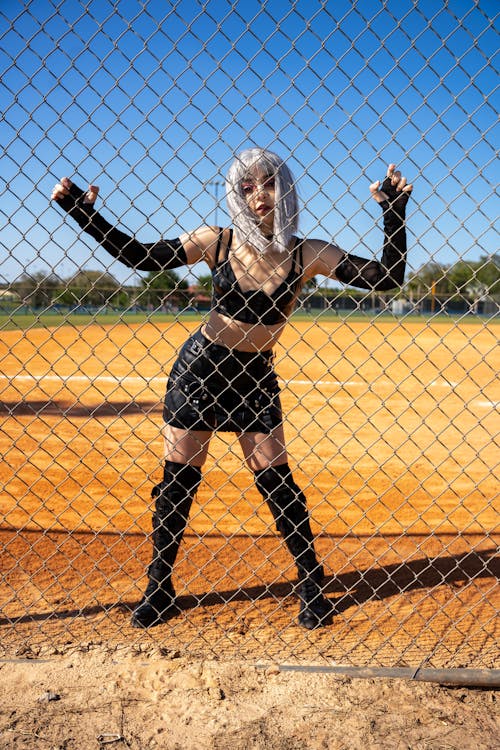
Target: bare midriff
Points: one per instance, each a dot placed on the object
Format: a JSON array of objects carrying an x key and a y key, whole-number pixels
[{"x": 245, "y": 337}]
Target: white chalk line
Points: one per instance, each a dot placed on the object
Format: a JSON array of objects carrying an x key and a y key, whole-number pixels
[
  {"x": 136, "y": 379},
  {"x": 161, "y": 382}
]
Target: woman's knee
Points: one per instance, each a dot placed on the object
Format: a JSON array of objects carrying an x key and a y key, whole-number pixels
[
  {"x": 185, "y": 446},
  {"x": 276, "y": 482},
  {"x": 262, "y": 450}
]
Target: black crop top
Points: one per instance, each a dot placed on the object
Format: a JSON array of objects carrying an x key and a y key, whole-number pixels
[{"x": 254, "y": 306}]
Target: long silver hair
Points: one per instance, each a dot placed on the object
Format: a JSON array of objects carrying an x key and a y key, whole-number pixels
[{"x": 286, "y": 212}]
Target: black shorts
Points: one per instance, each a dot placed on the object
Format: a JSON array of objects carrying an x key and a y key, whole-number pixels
[{"x": 214, "y": 388}]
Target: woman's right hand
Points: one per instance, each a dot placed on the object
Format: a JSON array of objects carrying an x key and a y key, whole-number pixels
[{"x": 63, "y": 188}]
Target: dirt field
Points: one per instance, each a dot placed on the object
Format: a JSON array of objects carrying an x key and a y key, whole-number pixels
[
  {"x": 92, "y": 698},
  {"x": 391, "y": 432}
]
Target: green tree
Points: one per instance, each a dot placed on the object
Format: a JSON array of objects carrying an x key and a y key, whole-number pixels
[
  {"x": 464, "y": 276},
  {"x": 460, "y": 275},
  {"x": 205, "y": 283},
  {"x": 431, "y": 276},
  {"x": 488, "y": 272},
  {"x": 92, "y": 288},
  {"x": 37, "y": 289},
  {"x": 164, "y": 289}
]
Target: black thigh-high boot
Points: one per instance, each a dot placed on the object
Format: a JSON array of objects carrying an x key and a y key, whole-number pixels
[
  {"x": 288, "y": 506},
  {"x": 173, "y": 498}
]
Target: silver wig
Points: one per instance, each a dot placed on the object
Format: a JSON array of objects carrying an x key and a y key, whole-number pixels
[{"x": 286, "y": 212}]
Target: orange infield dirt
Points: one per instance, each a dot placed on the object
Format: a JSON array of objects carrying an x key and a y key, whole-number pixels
[{"x": 391, "y": 432}]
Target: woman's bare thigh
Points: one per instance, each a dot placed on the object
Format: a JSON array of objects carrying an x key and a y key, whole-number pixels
[
  {"x": 186, "y": 446},
  {"x": 262, "y": 450}
]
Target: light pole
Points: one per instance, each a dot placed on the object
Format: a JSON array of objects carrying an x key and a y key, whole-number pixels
[{"x": 216, "y": 184}]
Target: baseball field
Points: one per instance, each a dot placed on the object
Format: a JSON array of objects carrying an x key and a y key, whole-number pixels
[{"x": 392, "y": 431}]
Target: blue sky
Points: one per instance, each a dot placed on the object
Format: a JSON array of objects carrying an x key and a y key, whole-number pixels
[{"x": 151, "y": 100}]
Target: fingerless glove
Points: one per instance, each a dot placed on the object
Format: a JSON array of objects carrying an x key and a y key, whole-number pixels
[
  {"x": 154, "y": 256},
  {"x": 390, "y": 271}
]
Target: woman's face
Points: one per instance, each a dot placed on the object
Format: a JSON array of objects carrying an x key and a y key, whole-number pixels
[{"x": 259, "y": 191}]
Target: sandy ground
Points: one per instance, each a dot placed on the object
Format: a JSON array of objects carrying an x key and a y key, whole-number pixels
[
  {"x": 94, "y": 697},
  {"x": 391, "y": 429}
]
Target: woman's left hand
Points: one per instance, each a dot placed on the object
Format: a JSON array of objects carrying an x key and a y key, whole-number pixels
[{"x": 394, "y": 186}]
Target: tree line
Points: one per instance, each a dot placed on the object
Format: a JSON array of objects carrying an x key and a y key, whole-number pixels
[
  {"x": 471, "y": 280},
  {"x": 88, "y": 288}
]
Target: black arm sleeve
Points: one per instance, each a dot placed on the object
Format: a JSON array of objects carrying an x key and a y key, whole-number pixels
[
  {"x": 390, "y": 271},
  {"x": 149, "y": 256}
]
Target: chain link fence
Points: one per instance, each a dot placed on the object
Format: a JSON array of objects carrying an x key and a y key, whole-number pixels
[{"x": 391, "y": 400}]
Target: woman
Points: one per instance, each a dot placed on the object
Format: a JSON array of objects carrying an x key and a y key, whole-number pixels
[{"x": 223, "y": 378}]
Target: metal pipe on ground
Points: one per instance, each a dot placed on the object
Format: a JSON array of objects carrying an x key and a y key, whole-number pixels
[{"x": 459, "y": 677}]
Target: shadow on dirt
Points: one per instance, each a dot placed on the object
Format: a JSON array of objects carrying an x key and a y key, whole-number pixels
[
  {"x": 52, "y": 408},
  {"x": 351, "y": 589}
]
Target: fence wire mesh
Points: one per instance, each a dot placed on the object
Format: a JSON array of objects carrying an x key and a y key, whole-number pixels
[{"x": 390, "y": 399}]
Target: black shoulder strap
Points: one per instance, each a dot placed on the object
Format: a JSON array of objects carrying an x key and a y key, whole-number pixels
[
  {"x": 229, "y": 242},
  {"x": 298, "y": 257},
  {"x": 219, "y": 245}
]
